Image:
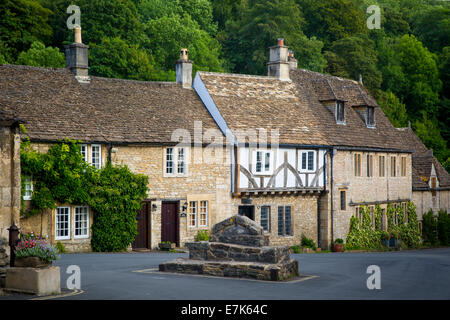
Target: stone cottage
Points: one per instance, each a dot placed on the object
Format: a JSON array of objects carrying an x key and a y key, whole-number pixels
[{"x": 296, "y": 151}]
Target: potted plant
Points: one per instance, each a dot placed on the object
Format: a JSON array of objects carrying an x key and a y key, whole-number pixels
[
  {"x": 34, "y": 252},
  {"x": 385, "y": 238},
  {"x": 308, "y": 245},
  {"x": 338, "y": 245},
  {"x": 166, "y": 245},
  {"x": 393, "y": 241}
]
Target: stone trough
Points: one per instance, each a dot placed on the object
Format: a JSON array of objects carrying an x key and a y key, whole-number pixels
[{"x": 238, "y": 247}]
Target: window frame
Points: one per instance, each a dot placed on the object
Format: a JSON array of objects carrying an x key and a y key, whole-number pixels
[
  {"x": 99, "y": 156},
  {"x": 175, "y": 161},
  {"x": 343, "y": 204},
  {"x": 283, "y": 217},
  {"x": 28, "y": 182},
  {"x": 268, "y": 218},
  {"x": 84, "y": 154},
  {"x": 340, "y": 116},
  {"x": 75, "y": 221},
  {"x": 68, "y": 237},
  {"x": 403, "y": 163},
  {"x": 192, "y": 214},
  {"x": 381, "y": 168},
  {"x": 263, "y": 162},
  {"x": 393, "y": 166},
  {"x": 300, "y": 160},
  {"x": 357, "y": 164},
  {"x": 368, "y": 123},
  {"x": 369, "y": 160},
  {"x": 205, "y": 213}
]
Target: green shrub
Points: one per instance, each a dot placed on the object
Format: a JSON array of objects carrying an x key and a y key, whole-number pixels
[
  {"x": 384, "y": 235},
  {"x": 430, "y": 229},
  {"x": 296, "y": 248},
  {"x": 308, "y": 243},
  {"x": 202, "y": 235},
  {"x": 339, "y": 241},
  {"x": 60, "y": 247},
  {"x": 443, "y": 221}
]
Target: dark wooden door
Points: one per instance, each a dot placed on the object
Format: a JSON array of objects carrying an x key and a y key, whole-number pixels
[
  {"x": 142, "y": 240},
  {"x": 248, "y": 211},
  {"x": 169, "y": 222}
]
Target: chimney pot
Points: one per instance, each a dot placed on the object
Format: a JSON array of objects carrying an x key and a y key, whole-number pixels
[
  {"x": 280, "y": 41},
  {"x": 78, "y": 34},
  {"x": 184, "y": 54}
]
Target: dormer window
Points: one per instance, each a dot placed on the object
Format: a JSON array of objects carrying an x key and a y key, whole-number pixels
[
  {"x": 340, "y": 112},
  {"x": 370, "y": 117}
]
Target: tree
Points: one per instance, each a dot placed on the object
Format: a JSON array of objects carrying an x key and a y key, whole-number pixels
[
  {"x": 40, "y": 56},
  {"x": 428, "y": 131},
  {"x": 411, "y": 72},
  {"x": 170, "y": 33},
  {"x": 357, "y": 56},
  {"x": 114, "y": 58},
  {"x": 393, "y": 108},
  {"x": 332, "y": 20},
  {"x": 21, "y": 23},
  {"x": 432, "y": 27},
  {"x": 260, "y": 23}
]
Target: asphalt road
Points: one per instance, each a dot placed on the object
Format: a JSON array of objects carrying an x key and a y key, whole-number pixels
[{"x": 421, "y": 274}]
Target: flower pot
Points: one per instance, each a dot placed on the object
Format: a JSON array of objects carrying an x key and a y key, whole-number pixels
[
  {"x": 338, "y": 247},
  {"x": 385, "y": 242},
  {"x": 31, "y": 262}
]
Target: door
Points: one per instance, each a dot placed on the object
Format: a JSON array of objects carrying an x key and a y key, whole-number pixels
[
  {"x": 142, "y": 240},
  {"x": 169, "y": 222},
  {"x": 248, "y": 211}
]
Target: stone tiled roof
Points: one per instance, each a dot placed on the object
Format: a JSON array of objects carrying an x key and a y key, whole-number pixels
[
  {"x": 422, "y": 161},
  {"x": 252, "y": 102},
  {"x": 55, "y": 106}
]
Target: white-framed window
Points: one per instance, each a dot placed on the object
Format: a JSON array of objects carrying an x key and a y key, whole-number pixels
[
  {"x": 176, "y": 161},
  {"x": 84, "y": 152},
  {"x": 192, "y": 218},
  {"x": 181, "y": 165},
  {"x": 340, "y": 112},
  {"x": 96, "y": 156},
  {"x": 28, "y": 188},
  {"x": 62, "y": 223},
  {"x": 307, "y": 161},
  {"x": 203, "y": 216},
  {"x": 265, "y": 218},
  {"x": 81, "y": 222},
  {"x": 262, "y": 161}
]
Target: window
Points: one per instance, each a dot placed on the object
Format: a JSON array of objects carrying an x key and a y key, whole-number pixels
[
  {"x": 370, "y": 165},
  {"x": 192, "y": 222},
  {"x": 343, "y": 199},
  {"x": 284, "y": 221},
  {"x": 81, "y": 229},
  {"x": 357, "y": 164},
  {"x": 203, "y": 214},
  {"x": 381, "y": 168},
  {"x": 372, "y": 215},
  {"x": 307, "y": 161},
  {"x": 96, "y": 155},
  {"x": 181, "y": 161},
  {"x": 265, "y": 217},
  {"x": 84, "y": 152},
  {"x": 340, "y": 112},
  {"x": 393, "y": 166},
  {"x": 62, "y": 223},
  {"x": 433, "y": 186},
  {"x": 176, "y": 161},
  {"x": 358, "y": 214},
  {"x": 263, "y": 162},
  {"x": 28, "y": 188},
  {"x": 370, "y": 116},
  {"x": 403, "y": 167},
  {"x": 383, "y": 217}
]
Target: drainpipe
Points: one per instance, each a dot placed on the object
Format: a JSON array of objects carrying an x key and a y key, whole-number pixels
[
  {"x": 109, "y": 152},
  {"x": 331, "y": 193}
]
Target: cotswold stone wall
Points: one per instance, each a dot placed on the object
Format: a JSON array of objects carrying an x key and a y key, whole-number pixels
[
  {"x": 425, "y": 201},
  {"x": 10, "y": 185},
  {"x": 204, "y": 181},
  {"x": 361, "y": 189}
]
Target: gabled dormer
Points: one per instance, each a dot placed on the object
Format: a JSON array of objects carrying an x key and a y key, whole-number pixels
[
  {"x": 365, "y": 109},
  {"x": 328, "y": 97}
]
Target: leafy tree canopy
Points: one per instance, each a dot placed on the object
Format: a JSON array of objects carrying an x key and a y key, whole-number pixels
[{"x": 40, "y": 56}]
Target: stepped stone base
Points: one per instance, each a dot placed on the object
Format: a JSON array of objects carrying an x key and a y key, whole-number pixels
[{"x": 240, "y": 269}]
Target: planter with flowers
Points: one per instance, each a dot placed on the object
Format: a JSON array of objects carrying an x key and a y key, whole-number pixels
[
  {"x": 385, "y": 238},
  {"x": 338, "y": 245},
  {"x": 34, "y": 252}
]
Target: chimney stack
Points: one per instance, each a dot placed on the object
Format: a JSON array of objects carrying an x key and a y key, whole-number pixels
[
  {"x": 278, "y": 65},
  {"x": 77, "y": 58},
  {"x": 183, "y": 69},
  {"x": 292, "y": 61}
]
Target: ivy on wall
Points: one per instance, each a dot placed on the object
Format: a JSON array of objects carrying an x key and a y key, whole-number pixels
[
  {"x": 61, "y": 176},
  {"x": 366, "y": 234}
]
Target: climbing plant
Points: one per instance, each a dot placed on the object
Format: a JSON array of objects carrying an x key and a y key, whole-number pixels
[
  {"x": 362, "y": 234},
  {"x": 61, "y": 176}
]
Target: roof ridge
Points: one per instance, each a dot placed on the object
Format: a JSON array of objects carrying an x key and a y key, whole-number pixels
[{"x": 237, "y": 75}]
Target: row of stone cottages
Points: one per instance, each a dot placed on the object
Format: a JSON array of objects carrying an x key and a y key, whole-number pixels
[{"x": 297, "y": 151}]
